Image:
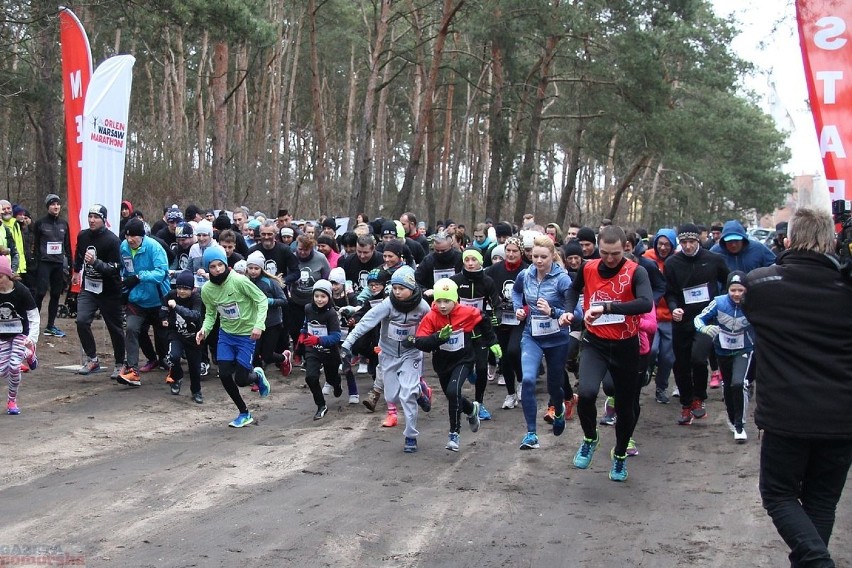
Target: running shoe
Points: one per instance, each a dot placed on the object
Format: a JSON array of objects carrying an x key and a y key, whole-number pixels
[
  {"x": 390, "y": 420},
  {"x": 129, "y": 377},
  {"x": 685, "y": 417},
  {"x": 740, "y": 436},
  {"x": 550, "y": 414},
  {"x": 715, "y": 379},
  {"x": 286, "y": 365},
  {"x": 570, "y": 407},
  {"x": 676, "y": 392},
  {"x": 326, "y": 389},
  {"x": 424, "y": 401},
  {"x": 371, "y": 399},
  {"x": 511, "y": 401},
  {"x": 453, "y": 442},
  {"x": 473, "y": 418},
  {"x": 149, "y": 366},
  {"x": 410, "y": 445},
  {"x": 501, "y": 380},
  {"x": 262, "y": 383},
  {"x": 321, "y": 410},
  {"x": 197, "y": 398},
  {"x": 175, "y": 387},
  {"x": 530, "y": 442},
  {"x": 54, "y": 331},
  {"x": 661, "y": 397},
  {"x": 117, "y": 371},
  {"x": 632, "y": 449},
  {"x": 243, "y": 419},
  {"x": 363, "y": 369},
  {"x": 91, "y": 366},
  {"x": 609, "y": 417},
  {"x": 559, "y": 422},
  {"x": 12, "y": 408},
  {"x": 483, "y": 412},
  {"x": 618, "y": 471},
  {"x": 698, "y": 409},
  {"x": 337, "y": 389},
  {"x": 584, "y": 455},
  {"x": 491, "y": 372},
  {"x": 205, "y": 369},
  {"x": 354, "y": 399}
]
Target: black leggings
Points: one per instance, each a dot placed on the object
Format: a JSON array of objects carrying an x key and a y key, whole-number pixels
[
  {"x": 316, "y": 363},
  {"x": 452, "y": 384},
  {"x": 264, "y": 353},
  {"x": 509, "y": 337},
  {"x": 480, "y": 351},
  {"x": 233, "y": 376}
]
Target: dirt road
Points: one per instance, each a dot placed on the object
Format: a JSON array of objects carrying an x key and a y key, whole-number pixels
[{"x": 114, "y": 476}]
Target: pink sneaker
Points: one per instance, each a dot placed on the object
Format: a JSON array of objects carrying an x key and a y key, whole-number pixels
[
  {"x": 715, "y": 379},
  {"x": 286, "y": 365},
  {"x": 12, "y": 408}
]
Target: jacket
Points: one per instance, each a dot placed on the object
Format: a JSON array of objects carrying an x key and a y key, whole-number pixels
[
  {"x": 732, "y": 324},
  {"x": 467, "y": 322},
  {"x": 554, "y": 288},
  {"x": 393, "y": 321},
  {"x": 149, "y": 263},
  {"x": 663, "y": 312},
  {"x": 753, "y": 255},
  {"x": 186, "y": 317}
]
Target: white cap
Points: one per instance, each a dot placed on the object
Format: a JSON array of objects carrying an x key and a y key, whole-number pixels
[
  {"x": 204, "y": 228},
  {"x": 337, "y": 276}
]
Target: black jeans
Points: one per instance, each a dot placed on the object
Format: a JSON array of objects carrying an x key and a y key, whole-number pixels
[
  {"x": 691, "y": 350},
  {"x": 801, "y": 481},
  {"x": 180, "y": 346},
  {"x": 50, "y": 275},
  {"x": 111, "y": 312},
  {"x": 315, "y": 363}
]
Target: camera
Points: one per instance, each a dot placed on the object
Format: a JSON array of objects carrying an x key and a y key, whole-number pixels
[{"x": 840, "y": 211}]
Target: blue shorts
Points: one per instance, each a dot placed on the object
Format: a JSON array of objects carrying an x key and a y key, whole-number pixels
[{"x": 239, "y": 348}]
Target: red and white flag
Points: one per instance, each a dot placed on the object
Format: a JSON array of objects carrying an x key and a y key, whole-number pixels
[
  {"x": 827, "y": 53},
  {"x": 105, "y": 136}
]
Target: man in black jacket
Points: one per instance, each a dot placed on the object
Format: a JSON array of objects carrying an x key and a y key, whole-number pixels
[
  {"x": 53, "y": 259},
  {"x": 800, "y": 309}
]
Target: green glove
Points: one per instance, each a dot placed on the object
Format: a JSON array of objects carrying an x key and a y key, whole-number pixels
[
  {"x": 445, "y": 332},
  {"x": 498, "y": 352}
]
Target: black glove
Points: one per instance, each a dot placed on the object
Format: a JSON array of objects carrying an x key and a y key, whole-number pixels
[{"x": 131, "y": 281}]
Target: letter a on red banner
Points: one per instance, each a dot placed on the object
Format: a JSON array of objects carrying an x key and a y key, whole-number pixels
[
  {"x": 824, "y": 34},
  {"x": 76, "y": 73}
]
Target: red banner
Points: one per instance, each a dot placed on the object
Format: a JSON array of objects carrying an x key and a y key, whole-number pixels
[{"x": 76, "y": 73}]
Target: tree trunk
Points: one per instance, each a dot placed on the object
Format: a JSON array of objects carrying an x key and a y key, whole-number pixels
[
  {"x": 449, "y": 11},
  {"x": 219, "y": 91},
  {"x": 320, "y": 164},
  {"x": 640, "y": 164},
  {"x": 499, "y": 139},
  {"x": 291, "y": 97},
  {"x": 570, "y": 177},
  {"x": 201, "y": 121},
  {"x": 346, "y": 166}
]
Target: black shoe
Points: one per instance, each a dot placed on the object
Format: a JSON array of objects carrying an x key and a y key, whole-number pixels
[
  {"x": 338, "y": 390},
  {"x": 197, "y": 398},
  {"x": 175, "y": 387},
  {"x": 321, "y": 412}
]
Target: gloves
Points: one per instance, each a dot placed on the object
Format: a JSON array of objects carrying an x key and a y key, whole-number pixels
[
  {"x": 312, "y": 340},
  {"x": 497, "y": 350},
  {"x": 345, "y": 353},
  {"x": 347, "y": 311},
  {"x": 445, "y": 332},
  {"x": 711, "y": 330},
  {"x": 131, "y": 281}
]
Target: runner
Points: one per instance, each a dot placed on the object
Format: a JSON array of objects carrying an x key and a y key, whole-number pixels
[{"x": 19, "y": 321}]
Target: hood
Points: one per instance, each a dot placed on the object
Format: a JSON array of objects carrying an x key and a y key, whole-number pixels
[
  {"x": 733, "y": 228},
  {"x": 129, "y": 206},
  {"x": 670, "y": 235}
]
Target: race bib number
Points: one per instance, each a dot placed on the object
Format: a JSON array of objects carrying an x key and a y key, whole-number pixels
[
  {"x": 317, "y": 330},
  {"x": 543, "y": 325},
  {"x": 199, "y": 280},
  {"x": 128, "y": 264},
  {"x": 229, "y": 311},
  {"x": 696, "y": 294},
  {"x": 93, "y": 285},
  {"x": 478, "y": 303},
  {"x": 54, "y": 247},
  {"x": 509, "y": 318},
  {"x": 14, "y": 325},
  {"x": 443, "y": 273},
  {"x": 399, "y": 332},
  {"x": 608, "y": 319},
  {"x": 731, "y": 340},
  {"x": 455, "y": 342}
]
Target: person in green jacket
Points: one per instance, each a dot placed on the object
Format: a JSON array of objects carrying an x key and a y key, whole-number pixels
[{"x": 241, "y": 307}]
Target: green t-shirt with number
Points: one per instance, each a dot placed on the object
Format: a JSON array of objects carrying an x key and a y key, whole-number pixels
[{"x": 240, "y": 304}]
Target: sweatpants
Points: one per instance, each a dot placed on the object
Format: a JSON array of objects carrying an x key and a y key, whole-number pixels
[{"x": 402, "y": 386}]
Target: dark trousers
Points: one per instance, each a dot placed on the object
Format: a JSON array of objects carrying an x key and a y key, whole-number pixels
[
  {"x": 801, "y": 481},
  {"x": 50, "y": 275},
  {"x": 621, "y": 359},
  {"x": 180, "y": 346},
  {"x": 509, "y": 337},
  {"x": 316, "y": 362},
  {"x": 111, "y": 311},
  {"x": 691, "y": 350},
  {"x": 735, "y": 376},
  {"x": 480, "y": 368},
  {"x": 452, "y": 384}
]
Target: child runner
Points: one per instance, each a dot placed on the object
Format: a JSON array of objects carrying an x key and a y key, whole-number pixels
[
  {"x": 343, "y": 299},
  {"x": 19, "y": 321},
  {"x": 448, "y": 332},
  {"x": 320, "y": 335},
  {"x": 400, "y": 363},
  {"x": 182, "y": 313},
  {"x": 367, "y": 343},
  {"x": 275, "y": 300},
  {"x": 733, "y": 339},
  {"x": 242, "y": 315}
]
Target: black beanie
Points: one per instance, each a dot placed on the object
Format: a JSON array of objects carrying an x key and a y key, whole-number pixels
[
  {"x": 572, "y": 248},
  {"x": 135, "y": 228},
  {"x": 688, "y": 231},
  {"x": 222, "y": 222},
  {"x": 586, "y": 234},
  {"x": 503, "y": 229},
  {"x": 393, "y": 246},
  {"x": 389, "y": 228}
]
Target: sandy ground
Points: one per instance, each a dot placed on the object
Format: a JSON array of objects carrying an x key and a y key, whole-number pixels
[{"x": 115, "y": 476}]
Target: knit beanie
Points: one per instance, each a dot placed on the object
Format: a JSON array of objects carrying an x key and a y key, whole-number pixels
[
  {"x": 586, "y": 234},
  {"x": 688, "y": 231},
  {"x": 256, "y": 258},
  {"x": 404, "y": 276},
  {"x": 135, "y": 228},
  {"x": 445, "y": 289},
  {"x": 211, "y": 254},
  {"x": 572, "y": 248},
  {"x": 185, "y": 279},
  {"x": 467, "y": 253},
  {"x": 394, "y": 247}
]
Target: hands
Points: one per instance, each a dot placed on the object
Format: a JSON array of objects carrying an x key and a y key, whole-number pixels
[
  {"x": 445, "y": 332},
  {"x": 566, "y": 319},
  {"x": 311, "y": 340},
  {"x": 594, "y": 312},
  {"x": 521, "y": 314},
  {"x": 711, "y": 330},
  {"x": 677, "y": 314},
  {"x": 89, "y": 257},
  {"x": 131, "y": 281},
  {"x": 345, "y": 353},
  {"x": 497, "y": 350},
  {"x": 199, "y": 337},
  {"x": 256, "y": 333},
  {"x": 76, "y": 279},
  {"x": 172, "y": 304},
  {"x": 543, "y": 307}
]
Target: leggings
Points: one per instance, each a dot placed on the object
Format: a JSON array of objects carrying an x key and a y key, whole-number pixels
[
  {"x": 531, "y": 355},
  {"x": 509, "y": 337},
  {"x": 451, "y": 384},
  {"x": 265, "y": 351}
]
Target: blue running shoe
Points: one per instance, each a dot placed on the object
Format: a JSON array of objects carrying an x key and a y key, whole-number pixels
[
  {"x": 243, "y": 419},
  {"x": 473, "y": 418},
  {"x": 583, "y": 457},
  {"x": 262, "y": 383},
  {"x": 54, "y": 331},
  {"x": 453, "y": 442},
  {"x": 410, "y": 445},
  {"x": 559, "y": 421},
  {"x": 530, "y": 442},
  {"x": 483, "y": 412},
  {"x": 618, "y": 472}
]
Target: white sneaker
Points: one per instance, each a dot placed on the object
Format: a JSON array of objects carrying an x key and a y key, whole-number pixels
[
  {"x": 511, "y": 401},
  {"x": 500, "y": 379},
  {"x": 362, "y": 369},
  {"x": 354, "y": 399},
  {"x": 676, "y": 392},
  {"x": 731, "y": 426},
  {"x": 327, "y": 389},
  {"x": 741, "y": 436},
  {"x": 518, "y": 392},
  {"x": 492, "y": 371}
]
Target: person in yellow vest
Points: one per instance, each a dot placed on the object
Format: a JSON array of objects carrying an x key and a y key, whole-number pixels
[{"x": 13, "y": 230}]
